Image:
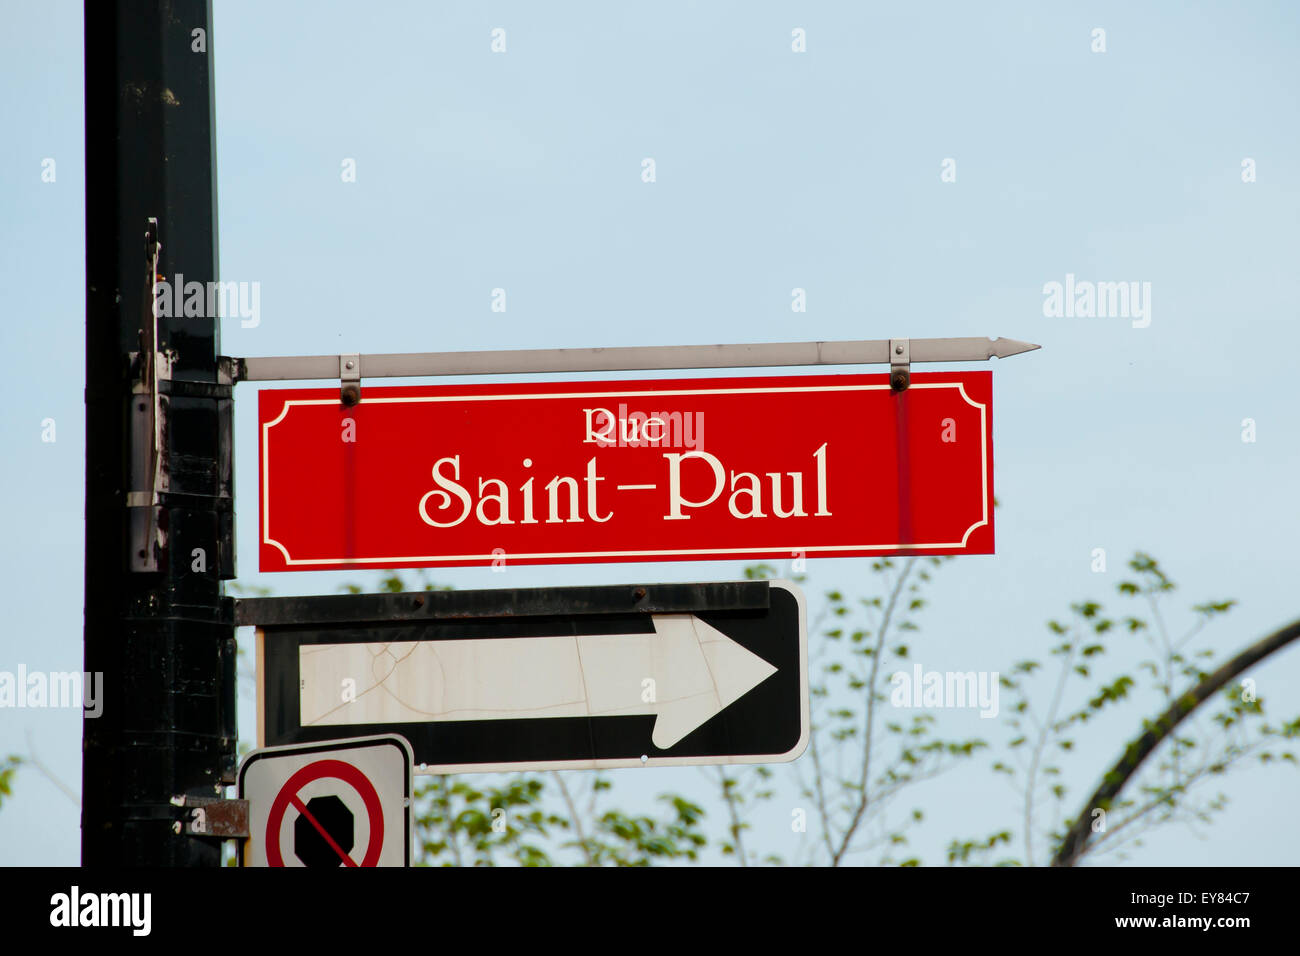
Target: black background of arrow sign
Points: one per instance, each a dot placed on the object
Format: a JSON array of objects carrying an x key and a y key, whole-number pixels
[{"x": 767, "y": 721}]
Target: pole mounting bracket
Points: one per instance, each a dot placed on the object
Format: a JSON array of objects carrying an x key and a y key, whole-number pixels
[{"x": 213, "y": 817}]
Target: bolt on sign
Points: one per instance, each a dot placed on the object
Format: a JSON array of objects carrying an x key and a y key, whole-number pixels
[{"x": 655, "y": 470}]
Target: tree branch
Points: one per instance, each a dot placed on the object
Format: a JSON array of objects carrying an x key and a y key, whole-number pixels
[{"x": 1076, "y": 840}]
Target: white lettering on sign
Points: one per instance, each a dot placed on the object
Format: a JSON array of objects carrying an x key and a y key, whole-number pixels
[
  {"x": 745, "y": 483},
  {"x": 636, "y": 429},
  {"x": 574, "y": 500}
]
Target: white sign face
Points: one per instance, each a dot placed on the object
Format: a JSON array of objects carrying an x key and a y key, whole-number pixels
[
  {"x": 684, "y": 671},
  {"x": 329, "y": 804}
]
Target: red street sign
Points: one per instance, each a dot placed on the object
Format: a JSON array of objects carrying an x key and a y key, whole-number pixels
[{"x": 658, "y": 470}]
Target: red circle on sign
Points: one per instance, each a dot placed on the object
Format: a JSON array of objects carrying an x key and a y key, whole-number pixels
[{"x": 316, "y": 771}]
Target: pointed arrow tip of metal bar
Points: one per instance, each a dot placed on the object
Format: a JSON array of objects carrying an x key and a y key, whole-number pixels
[{"x": 1004, "y": 348}]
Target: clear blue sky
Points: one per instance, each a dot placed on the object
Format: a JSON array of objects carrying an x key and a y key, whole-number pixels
[{"x": 775, "y": 170}]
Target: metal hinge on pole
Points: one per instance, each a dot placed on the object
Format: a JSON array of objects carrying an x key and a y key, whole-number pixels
[{"x": 148, "y": 416}]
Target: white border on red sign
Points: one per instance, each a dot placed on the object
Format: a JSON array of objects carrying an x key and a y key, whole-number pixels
[{"x": 398, "y": 560}]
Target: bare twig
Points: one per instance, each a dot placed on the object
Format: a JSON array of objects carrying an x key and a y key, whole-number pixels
[
  {"x": 863, "y": 795},
  {"x": 577, "y": 820},
  {"x": 36, "y": 762},
  {"x": 1044, "y": 731}
]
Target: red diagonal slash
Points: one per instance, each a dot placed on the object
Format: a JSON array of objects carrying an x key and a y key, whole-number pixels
[
  {"x": 317, "y": 770},
  {"x": 302, "y": 808}
]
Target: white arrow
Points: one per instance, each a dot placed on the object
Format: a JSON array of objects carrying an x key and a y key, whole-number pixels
[{"x": 685, "y": 673}]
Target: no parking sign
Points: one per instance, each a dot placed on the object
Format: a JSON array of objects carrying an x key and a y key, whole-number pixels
[{"x": 337, "y": 803}]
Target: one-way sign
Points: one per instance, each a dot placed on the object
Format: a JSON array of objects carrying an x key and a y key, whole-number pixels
[{"x": 570, "y": 678}]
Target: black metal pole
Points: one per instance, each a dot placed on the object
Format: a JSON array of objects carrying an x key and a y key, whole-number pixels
[{"x": 155, "y": 624}]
